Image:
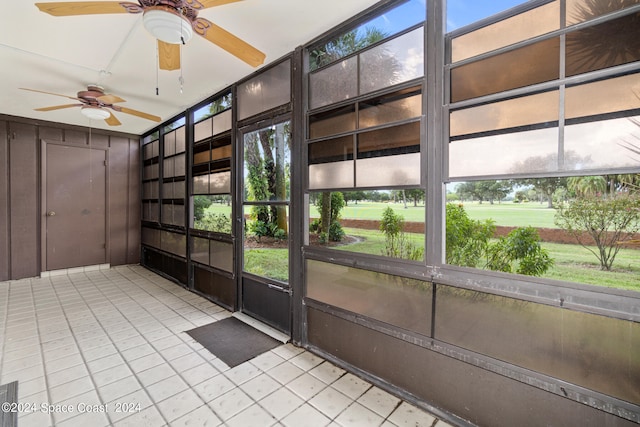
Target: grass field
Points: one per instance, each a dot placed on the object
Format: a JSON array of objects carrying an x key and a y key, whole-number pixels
[{"x": 573, "y": 263}]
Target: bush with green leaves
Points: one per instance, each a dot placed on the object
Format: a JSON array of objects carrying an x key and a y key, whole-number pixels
[
  {"x": 397, "y": 244},
  {"x": 607, "y": 220},
  {"x": 469, "y": 244},
  {"x": 467, "y": 240},
  {"x": 519, "y": 252},
  {"x": 210, "y": 221}
]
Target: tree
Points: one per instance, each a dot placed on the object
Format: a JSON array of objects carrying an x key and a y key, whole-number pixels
[
  {"x": 484, "y": 190},
  {"x": 609, "y": 221},
  {"x": 397, "y": 245},
  {"x": 545, "y": 186},
  {"x": 331, "y": 206},
  {"x": 415, "y": 194},
  {"x": 266, "y": 160}
]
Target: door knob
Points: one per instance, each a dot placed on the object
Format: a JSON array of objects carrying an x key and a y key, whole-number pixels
[{"x": 51, "y": 213}]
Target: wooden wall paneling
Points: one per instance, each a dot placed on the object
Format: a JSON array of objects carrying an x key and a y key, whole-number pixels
[
  {"x": 24, "y": 200},
  {"x": 75, "y": 136},
  {"x": 118, "y": 199},
  {"x": 133, "y": 225},
  {"x": 98, "y": 140},
  {"x": 4, "y": 202},
  {"x": 50, "y": 133}
]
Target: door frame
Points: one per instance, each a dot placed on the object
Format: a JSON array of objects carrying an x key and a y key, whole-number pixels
[
  {"x": 239, "y": 221},
  {"x": 43, "y": 198}
]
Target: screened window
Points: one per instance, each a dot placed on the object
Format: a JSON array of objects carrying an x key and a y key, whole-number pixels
[
  {"x": 211, "y": 170},
  {"x": 543, "y": 181}
]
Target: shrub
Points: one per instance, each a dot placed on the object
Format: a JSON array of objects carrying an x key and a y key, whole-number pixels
[
  {"x": 217, "y": 222},
  {"x": 397, "y": 245},
  {"x": 607, "y": 220},
  {"x": 466, "y": 239},
  {"x": 519, "y": 252}
]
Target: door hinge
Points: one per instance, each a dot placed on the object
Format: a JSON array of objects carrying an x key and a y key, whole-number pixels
[
  {"x": 105, "y": 163},
  {"x": 104, "y": 246}
]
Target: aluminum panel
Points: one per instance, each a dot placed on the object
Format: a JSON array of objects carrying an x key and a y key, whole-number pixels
[{"x": 331, "y": 175}]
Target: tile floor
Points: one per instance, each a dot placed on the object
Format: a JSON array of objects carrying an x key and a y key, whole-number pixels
[{"x": 108, "y": 347}]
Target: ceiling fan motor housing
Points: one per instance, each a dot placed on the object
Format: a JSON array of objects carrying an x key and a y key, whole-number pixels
[{"x": 167, "y": 24}]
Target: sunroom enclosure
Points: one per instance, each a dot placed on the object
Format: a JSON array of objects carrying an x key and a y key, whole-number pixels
[{"x": 536, "y": 109}]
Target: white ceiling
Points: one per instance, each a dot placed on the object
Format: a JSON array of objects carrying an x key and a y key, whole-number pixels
[{"x": 65, "y": 54}]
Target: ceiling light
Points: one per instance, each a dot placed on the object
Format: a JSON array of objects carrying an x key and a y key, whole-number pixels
[
  {"x": 167, "y": 25},
  {"x": 95, "y": 113}
]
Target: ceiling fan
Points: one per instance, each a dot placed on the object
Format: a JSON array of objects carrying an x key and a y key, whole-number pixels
[
  {"x": 172, "y": 22},
  {"x": 95, "y": 104}
]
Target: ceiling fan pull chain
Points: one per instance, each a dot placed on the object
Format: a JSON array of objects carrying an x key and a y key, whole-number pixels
[{"x": 157, "y": 70}]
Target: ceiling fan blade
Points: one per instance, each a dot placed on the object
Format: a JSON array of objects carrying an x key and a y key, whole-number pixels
[
  {"x": 57, "y": 107},
  {"x": 112, "y": 120},
  {"x": 50, "y": 93},
  {"x": 213, "y": 3},
  {"x": 110, "y": 99},
  {"x": 65, "y": 8},
  {"x": 138, "y": 113},
  {"x": 168, "y": 56},
  {"x": 232, "y": 44}
]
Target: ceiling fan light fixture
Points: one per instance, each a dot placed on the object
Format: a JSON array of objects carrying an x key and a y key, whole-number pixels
[
  {"x": 95, "y": 113},
  {"x": 167, "y": 25}
]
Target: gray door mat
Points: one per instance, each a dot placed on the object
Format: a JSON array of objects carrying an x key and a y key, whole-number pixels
[{"x": 233, "y": 341}]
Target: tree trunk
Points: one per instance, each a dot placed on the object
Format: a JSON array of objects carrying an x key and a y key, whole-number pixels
[{"x": 325, "y": 215}]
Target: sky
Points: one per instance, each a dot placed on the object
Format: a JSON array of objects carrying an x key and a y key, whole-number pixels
[{"x": 459, "y": 13}]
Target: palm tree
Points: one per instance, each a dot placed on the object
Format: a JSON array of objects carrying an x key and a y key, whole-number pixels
[{"x": 587, "y": 185}]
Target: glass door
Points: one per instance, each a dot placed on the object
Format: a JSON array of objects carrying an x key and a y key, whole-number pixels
[{"x": 265, "y": 291}]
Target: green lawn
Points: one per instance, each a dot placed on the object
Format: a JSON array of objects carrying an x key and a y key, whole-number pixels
[
  {"x": 506, "y": 213},
  {"x": 573, "y": 263}
]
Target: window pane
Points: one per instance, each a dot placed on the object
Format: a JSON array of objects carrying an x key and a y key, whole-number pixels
[
  {"x": 559, "y": 219},
  {"x": 332, "y": 150},
  {"x": 173, "y": 243},
  {"x": 331, "y": 163},
  {"x": 151, "y": 237},
  {"x": 180, "y": 166},
  {"x": 523, "y": 26},
  {"x": 506, "y": 154},
  {"x": 333, "y": 84},
  {"x": 180, "y": 140},
  {"x": 203, "y": 130},
  {"x": 200, "y": 250},
  {"x": 613, "y": 95},
  {"x": 221, "y": 255},
  {"x": 465, "y": 12},
  {"x": 356, "y": 225},
  {"x": 531, "y": 335},
  {"x": 396, "y": 61},
  {"x": 390, "y": 108},
  {"x": 397, "y": 170},
  {"x": 222, "y": 122},
  {"x": 524, "y": 111},
  {"x": 536, "y": 63},
  {"x": 266, "y": 252},
  {"x": 602, "y": 46},
  {"x": 168, "y": 170},
  {"x": 170, "y": 144},
  {"x": 390, "y": 141},
  {"x": 201, "y": 154},
  {"x": 395, "y": 300},
  {"x": 268, "y": 90},
  {"x": 267, "y": 159},
  {"x": 609, "y": 144},
  {"x": 388, "y": 23},
  {"x": 332, "y": 122},
  {"x": 212, "y": 213},
  {"x": 220, "y": 183},
  {"x": 585, "y": 10}
]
